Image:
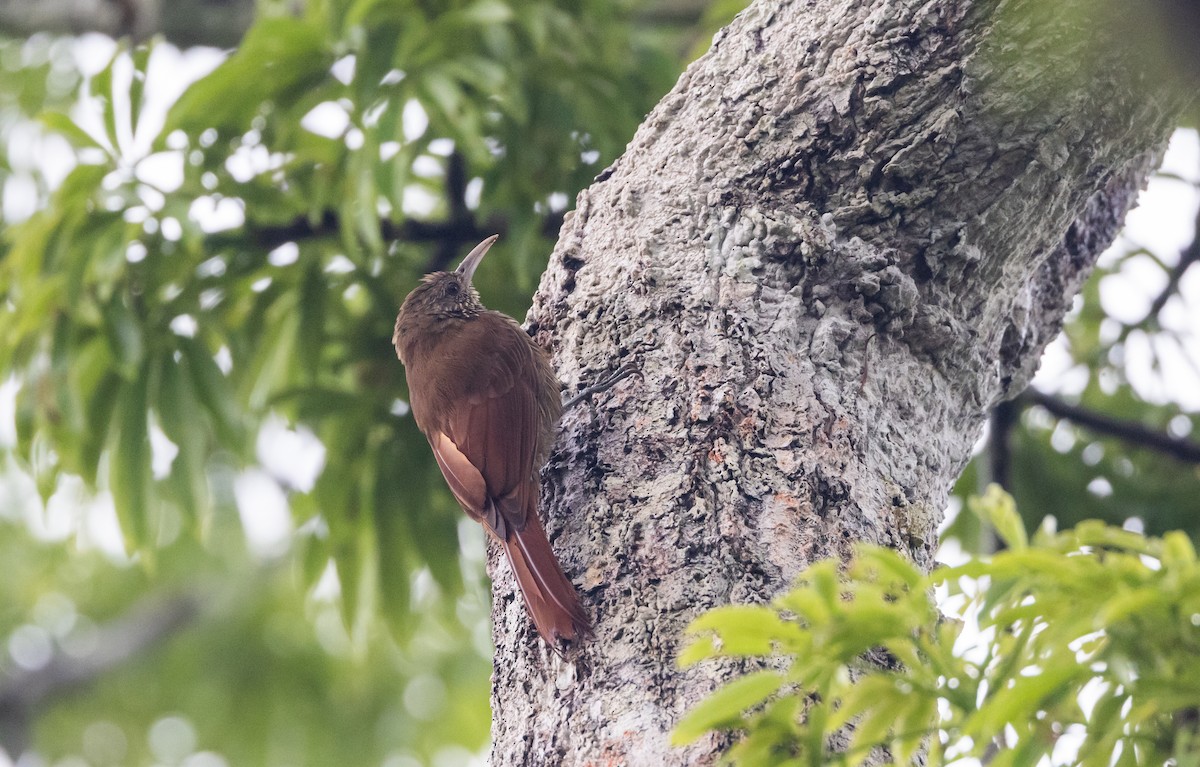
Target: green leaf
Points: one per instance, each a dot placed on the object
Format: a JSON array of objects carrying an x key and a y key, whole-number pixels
[
  {"x": 888, "y": 564},
  {"x": 101, "y": 406},
  {"x": 129, "y": 476},
  {"x": 998, "y": 509},
  {"x": 347, "y": 560},
  {"x": 39, "y": 301},
  {"x": 353, "y": 556},
  {"x": 67, "y": 397},
  {"x": 443, "y": 92},
  {"x": 25, "y": 418},
  {"x": 866, "y": 693},
  {"x": 877, "y": 722},
  {"x": 918, "y": 722},
  {"x": 76, "y": 136},
  {"x": 1093, "y": 532},
  {"x": 770, "y": 739},
  {"x": 487, "y": 13},
  {"x": 137, "y": 87},
  {"x": 744, "y": 629},
  {"x": 214, "y": 393},
  {"x": 396, "y": 492},
  {"x": 697, "y": 650},
  {"x": 43, "y": 465},
  {"x": 280, "y": 59},
  {"x": 724, "y": 707},
  {"x": 313, "y": 403},
  {"x": 1015, "y": 700},
  {"x": 311, "y": 325},
  {"x": 866, "y": 624},
  {"x": 1127, "y": 604},
  {"x": 102, "y": 89},
  {"x": 178, "y": 408},
  {"x": 270, "y": 366},
  {"x": 813, "y": 603},
  {"x": 124, "y": 336},
  {"x": 1178, "y": 552}
]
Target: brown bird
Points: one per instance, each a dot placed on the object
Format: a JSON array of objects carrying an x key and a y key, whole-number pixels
[{"x": 486, "y": 398}]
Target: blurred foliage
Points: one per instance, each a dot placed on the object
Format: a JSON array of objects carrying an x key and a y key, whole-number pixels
[
  {"x": 177, "y": 279},
  {"x": 261, "y": 675},
  {"x": 1087, "y": 638}
]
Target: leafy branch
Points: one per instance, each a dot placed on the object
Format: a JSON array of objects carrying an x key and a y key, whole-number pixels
[{"x": 1091, "y": 632}]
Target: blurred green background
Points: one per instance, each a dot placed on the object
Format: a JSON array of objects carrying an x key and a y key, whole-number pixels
[{"x": 222, "y": 539}]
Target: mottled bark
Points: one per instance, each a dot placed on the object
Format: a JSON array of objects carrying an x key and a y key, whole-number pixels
[{"x": 847, "y": 232}]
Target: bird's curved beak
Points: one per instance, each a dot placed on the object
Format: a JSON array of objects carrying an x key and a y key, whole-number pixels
[{"x": 471, "y": 262}]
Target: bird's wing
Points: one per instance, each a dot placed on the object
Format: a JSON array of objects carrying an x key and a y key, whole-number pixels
[
  {"x": 465, "y": 481},
  {"x": 487, "y": 440}
]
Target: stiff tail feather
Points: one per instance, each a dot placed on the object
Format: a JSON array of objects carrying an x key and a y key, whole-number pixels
[{"x": 550, "y": 598}]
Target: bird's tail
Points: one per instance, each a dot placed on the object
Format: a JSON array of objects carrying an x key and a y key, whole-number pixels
[{"x": 549, "y": 597}]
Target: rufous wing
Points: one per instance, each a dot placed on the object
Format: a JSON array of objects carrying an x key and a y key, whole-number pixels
[
  {"x": 465, "y": 481},
  {"x": 490, "y": 415}
]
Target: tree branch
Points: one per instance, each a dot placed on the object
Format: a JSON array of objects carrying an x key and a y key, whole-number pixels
[
  {"x": 185, "y": 23},
  {"x": 147, "y": 624},
  {"x": 328, "y": 225},
  {"x": 1189, "y": 256},
  {"x": 999, "y": 447},
  {"x": 1135, "y": 433},
  {"x": 460, "y": 217},
  {"x": 448, "y": 236}
]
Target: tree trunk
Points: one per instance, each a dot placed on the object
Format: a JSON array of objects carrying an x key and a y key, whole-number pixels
[{"x": 847, "y": 232}]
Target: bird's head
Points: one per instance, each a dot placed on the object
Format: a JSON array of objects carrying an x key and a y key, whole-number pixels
[{"x": 443, "y": 297}]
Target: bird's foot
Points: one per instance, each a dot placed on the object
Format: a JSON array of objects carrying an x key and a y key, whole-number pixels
[{"x": 622, "y": 373}]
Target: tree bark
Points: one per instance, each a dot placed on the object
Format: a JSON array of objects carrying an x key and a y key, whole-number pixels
[{"x": 848, "y": 231}]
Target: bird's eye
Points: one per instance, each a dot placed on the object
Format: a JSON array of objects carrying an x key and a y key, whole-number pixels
[{"x": 452, "y": 288}]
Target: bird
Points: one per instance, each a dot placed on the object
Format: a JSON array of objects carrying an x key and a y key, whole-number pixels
[{"x": 486, "y": 398}]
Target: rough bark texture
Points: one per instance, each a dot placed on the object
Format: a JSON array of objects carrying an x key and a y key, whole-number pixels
[{"x": 849, "y": 230}]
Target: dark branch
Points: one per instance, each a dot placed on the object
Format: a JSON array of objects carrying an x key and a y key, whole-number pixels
[
  {"x": 460, "y": 215},
  {"x": 999, "y": 447},
  {"x": 185, "y": 23},
  {"x": 1189, "y": 256},
  {"x": 147, "y": 624},
  {"x": 1134, "y": 433},
  {"x": 328, "y": 225},
  {"x": 449, "y": 236},
  {"x": 671, "y": 13}
]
